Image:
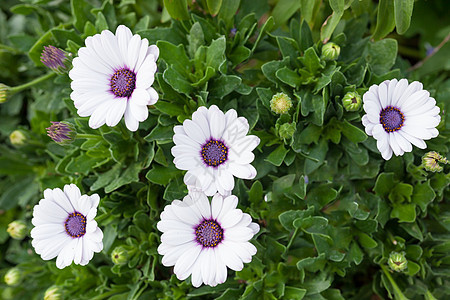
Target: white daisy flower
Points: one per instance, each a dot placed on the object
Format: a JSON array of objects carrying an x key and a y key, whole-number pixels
[
  {"x": 65, "y": 226},
  {"x": 213, "y": 147},
  {"x": 112, "y": 77},
  {"x": 204, "y": 239},
  {"x": 399, "y": 114}
]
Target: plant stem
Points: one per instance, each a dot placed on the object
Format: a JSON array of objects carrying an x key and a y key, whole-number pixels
[
  {"x": 397, "y": 292},
  {"x": 21, "y": 87},
  {"x": 87, "y": 136},
  {"x": 435, "y": 50},
  {"x": 294, "y": 235}
]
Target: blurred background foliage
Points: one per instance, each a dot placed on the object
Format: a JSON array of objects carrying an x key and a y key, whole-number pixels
[{"x": 331, "y": 210}]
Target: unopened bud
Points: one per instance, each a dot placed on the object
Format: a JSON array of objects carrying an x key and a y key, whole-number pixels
[
  {"x": 17, "y": 229},
  {"x": 56, "y": 59},
  {"x": 53, "y": 293},
  {"x": 13, "y": 277},
  {"x": 4, "y": 92},
  {"x": 397, "y": 261},
  {"x": 119, "y": 255},
  {"x": 287, "y": 130},
  {"x": 17, "y": 137},
  {"x": 431, "y": 160},
  {"x": 62, "y": 133},
  {"x": 330, "y": 51},
  {"x": 351, "y": 101},
  {"x": 280, "y": 103}
]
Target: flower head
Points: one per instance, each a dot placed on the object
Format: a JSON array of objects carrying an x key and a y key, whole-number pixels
[
  {"x": 330, "y": 51},
  {"x": 203, "y": 238},
  {"x": 213, "y": 147},
  {"x": 56, "y": 59},
  {"x": 17, "y": 229},
  {"x": 112, "y": 78},
  {"x": 62, "y": 133},
  {"x": 53, "y": 293},
  {"x": 280, "y": 103},
  {"x": 4, "y": 92},
  {"x": 17, "y": 137},
  {"x": 13, "y": 277},
  {"x": 352, "y": 101},
  {"x": 397, "y": 261},
  {"x": 431, "y": 160},
  {"x": 65, "y": 226},
  {"x": 398, "y": 115}
]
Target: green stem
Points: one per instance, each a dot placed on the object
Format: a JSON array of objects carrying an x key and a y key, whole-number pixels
[
  {"x": 294, "y": 235},
  {"x": 87, "y": 136},
  {"x": 10, "y": 49},
  {"x": 21, "y": 87},
  {"x": 397, "y": 292}
]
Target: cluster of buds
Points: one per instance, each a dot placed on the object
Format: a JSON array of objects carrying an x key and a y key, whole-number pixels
[
  {"x": 397, "y": 261},
  {"x": 62, "y": 133},
  {"x": 17, "y": 229},
  {"x": 280, "y": 103},
  {"x": 431, "y": 160},
  {"x": 56, "y": 59}
]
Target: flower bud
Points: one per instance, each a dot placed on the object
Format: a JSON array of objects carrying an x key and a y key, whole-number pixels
[
  {"x": 330, "y": 51},
  {"x": 53, "y": 293},
  {"x": 287, "y": 130},
  {"x": 4, "y": 92},
  {"x": 351, "y": 101},
  {"x": 17, "y": 137},
  {"x": 17, "y": 229},
  {"x": 397, "y": 261},
  {"x": 119, "y": 255},
  {"x": 62, "y": 133},
  {"x": 280, "y": 103},
  {"x": 13, "y": 277},
  {"x": 56, "y": 59},
  {"x": 431, "y": 160}
]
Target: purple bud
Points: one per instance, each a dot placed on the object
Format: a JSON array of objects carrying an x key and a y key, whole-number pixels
[
  {"x": 56, "y": 59},
  {"x": 62, "y": 133}
]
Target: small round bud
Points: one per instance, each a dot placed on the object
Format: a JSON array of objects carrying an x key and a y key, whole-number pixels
[
  {"x": 287, "y": 130},
  {"x": 62, "y": 133},
  {"x": 13, "y": 277},
  {"x": 280, "y": 103},
  {"x": 119, "y": 255},
  {"x": 17, "y": 229},
  {"x": 53, "y": 293},
  {"x": 4, "y": 92},
  {"x": 330, "y": 51},
  {"x": 56, "y": 59},
  {"x": 351, "y": 101},
  {"x": 17, "y": 137},
  {"x": 431, "y": 160},
  {"x": 397, "y": 261}
]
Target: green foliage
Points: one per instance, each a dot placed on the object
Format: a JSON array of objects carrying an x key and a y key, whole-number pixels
[{"x": 330, "y": 209}]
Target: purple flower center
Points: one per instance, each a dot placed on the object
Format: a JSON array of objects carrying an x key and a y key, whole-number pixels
[
  {"x": 75, "y": 225},
  {"x": 392, "y": 119},
  {"x": 214, "y": 153},
  {"x": 123, "y": 83},
  {"x": 209, "y": 233}
]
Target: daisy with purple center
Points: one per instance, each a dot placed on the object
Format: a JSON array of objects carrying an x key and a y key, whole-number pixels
[
  {"x": 213, "y": 147},
  {"x": 399, "y": 114},
  {"x": 65, "y": 226},
  {"x": 112, "y": 77},
  {"x": 202, "y": 239}
]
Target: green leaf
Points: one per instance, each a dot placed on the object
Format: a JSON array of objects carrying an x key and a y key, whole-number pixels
[
  {"x": 385, "y": 19},
  {"x": 321, "y": 195},
  {"x": 175, "y": 56},
  {"x": 129, "y": 175},
  {"x": 294, "y": 293},
  {"x": 277, "y": 156},
  {"x": 311, "y": 61},
  {"x": 307, "y": 9},
  {"x": 352, "y": 132},
  {"x": 177, "y": 9},
  {"x": 382, "y": 55},
  {"x": 423, "y": 195},
  {"x": 177, "y": 81},
  {"x": 106, "y": 178},
  {"x": 400, "y": 193},
  {"x": 366, "y": 241},
  {"x": 80, "y": 12},
  {"x": 288, "y": 76},
  {"x": 255, "y": 194},
  {"x": 355, "y": 254},
  {"x": 224, "y": 85},
  {"x": 215, "y": 54},
  {"x": 196, "y": 38},
  {"x": 162, "y": 175},
  {"x": 413, "y": 268},
  {"x": 214, "y": 6},
  {"x": 228, "y": 11},
  {"x": 385, "y": 182},
  {"x": 337, "y": 5},
  {"x": 283, "y": 10},
  {"x": 329, "y": 26},
  {"x": 404, "y": 212},
  {"x": 403, "y": 11}
]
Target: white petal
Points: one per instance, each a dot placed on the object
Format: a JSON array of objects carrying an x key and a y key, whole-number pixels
[
  {"x": 143, "y": 55},
  {"x": 65, "y": 257},
  {"x": 46, "y": 231},
  {"x": 91, "y": 103},
  {"x": 166, "y": 225},
  {"x": 417, "y": 131},
  {"x": 242, "y": 158},
  {"x": 96, "y": 236},
  {"x": 185, "y": 162},
  {"x": 217, "y": 124},
  {"x": 109, "y": 42},
  {"x": 154, "y": 50},
  {"x": 230, "y": 117},
  {"x": 146, "y": 73},
  {"x": 242, "y": 171},
  {"x": 133, "y": 51},
  {"x": 238, "y": 234},
  {"x": 254, "y": 227},
  {"x": 221, "y": 268},
  {"x": 123, "y": 35},
  {"x": 177, "y": 237},
  {"x": 402, "y": 142},
  {"x": 54, "y": 246},
  {"x": 208, "y": 266},
  {"x": 405, "y": 95},
  {"x": 183, "y": 266},
  {"x": 84, "y": 205},
  {"x": 116, "y": 111},
  {"x": 229, "y": 257},
  {"x": 394, "y": 145},
  {"x": 202, "y": 121},
  {"x": 413, "y": 140},
  {"x": 216, "y": 206},
  {"x": 173, "y": 253},
  {"x": 383, "y": 94},
  {"x": 139, "y": 112},
  {"x": 194, "y": 131},
  {"x": 98, "y": 117},
  {"x": 153, "y": 96},
  {"x": 226, "y": 179},
  {"x": 140, "y": 97},
  {"x": 231, "y": 218},
  {"x": 240, "y": 250},
  {"x": 228, "y": 204},
  {"x": 402, "y": 89},
  {"x": 130, "y": 121},
  {"x": 61, "y": 199}
]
